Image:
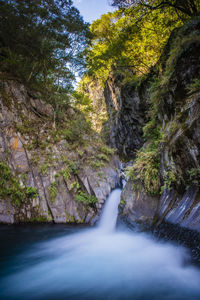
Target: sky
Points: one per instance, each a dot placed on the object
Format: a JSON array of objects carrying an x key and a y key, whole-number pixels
[{"x": 91, "y": 10}]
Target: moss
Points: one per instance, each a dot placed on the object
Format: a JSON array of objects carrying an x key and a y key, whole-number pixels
[
  {"x": 80, "y": 221},
  {"x": 72, "y": 219},
  {"x": 39, "y": 219},
  {"x": 122, "y": 202}
]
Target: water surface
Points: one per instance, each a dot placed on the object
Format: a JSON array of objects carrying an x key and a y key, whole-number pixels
[{"x": 64, "y": 262}]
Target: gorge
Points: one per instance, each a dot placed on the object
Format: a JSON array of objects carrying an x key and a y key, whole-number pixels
[{"x": 99, "y": 181}]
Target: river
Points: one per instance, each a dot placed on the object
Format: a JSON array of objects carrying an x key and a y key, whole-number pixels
[{"x": 102, "y": 263}]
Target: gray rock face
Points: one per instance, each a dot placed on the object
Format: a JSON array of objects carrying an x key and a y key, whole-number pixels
[
  {"x": 7, "y": 212},
  {"x": 178, "y": 120},
  {"x": 126, "y": 113},
  {"x": 181, "y": 209},
  {"x": 44, "y": 167},
  {"x": 138, "y": 207}
]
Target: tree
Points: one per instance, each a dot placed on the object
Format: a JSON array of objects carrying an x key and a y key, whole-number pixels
[
  {"x": 128, "y": 43},
  {"x": 188, "y": 7},
  {"x": 41, "y": 42}
]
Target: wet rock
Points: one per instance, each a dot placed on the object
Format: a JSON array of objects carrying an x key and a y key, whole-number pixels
[{"x": 136, "y": 206}]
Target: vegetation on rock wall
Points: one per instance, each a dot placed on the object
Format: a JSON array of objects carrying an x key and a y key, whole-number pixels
[
  {"x": 143, "y": 43},
  {"x": 86, "y": 199},
  {"x": 12, "y": 189},
  {"x": 159, "y": 133}
]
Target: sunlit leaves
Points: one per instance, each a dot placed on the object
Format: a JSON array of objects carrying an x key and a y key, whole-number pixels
[{"x": 129, "y": 39}]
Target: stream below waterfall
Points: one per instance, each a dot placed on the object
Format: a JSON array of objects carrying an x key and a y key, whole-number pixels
[{"x": 74, "y": 262}]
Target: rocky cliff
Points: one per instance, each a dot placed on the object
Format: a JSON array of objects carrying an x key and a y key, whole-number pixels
[
  {"x": 126, "y": 115},
  {"x": 50, "y": 171},
  {"x": 165, "y": 177}
]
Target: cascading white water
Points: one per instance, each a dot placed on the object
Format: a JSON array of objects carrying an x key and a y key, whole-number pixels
[
  {"x": 109, "y": 215},
  {"x": 102, "y": 264}
]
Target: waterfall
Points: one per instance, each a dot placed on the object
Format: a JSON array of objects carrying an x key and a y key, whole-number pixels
[
  {"x": 109, "y": 215},
  {"x": 99, "y": 263}
]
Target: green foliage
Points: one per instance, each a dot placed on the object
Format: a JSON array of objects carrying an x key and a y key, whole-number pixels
[
  {"x": 96, "y": 164},
  {"x": 31, "y": 192},
  {"x": 71, "y": 168},
  {"x": 23, "y": 128},
  {"x": 10, "y": 187},
  {"x": 53, "y": 191},
  {"x": 182, "y": 7},
  {"x": 89, "y": 99},
  {"x": 180, "y": 44},
  {"x": 194, "y": 86},
  {"x": 146, "y": 169},
  {"x": 122, "y": 202},
  {"x": 39, "y": 219},
  {"x": 83, "y": 101},
  {"x": 128, "y": 40},
  {"x": 103, "y": 156},
  {"x": 151, "y": 129},
  {"x": 75, "y": 129},
  {"x": 66, "y": 173},
  {"x": 170, "y": 178},
  {"x": 194, "y": 176},
  {"x": 107, "y": 150},
  {"x": 44, "y": 167},
  {"x": 40, "y": 43},
  {"x": 80, "y": 152},
  {"x": 76, "y": 185},
  {"x": 86, "y": 199}
]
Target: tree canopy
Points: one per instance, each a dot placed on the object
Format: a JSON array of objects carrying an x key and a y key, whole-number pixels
[
  {"x": 41, "y": 41},
  {"x": 124, "y": 40},
  {"x": 187, "y": 7}
]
